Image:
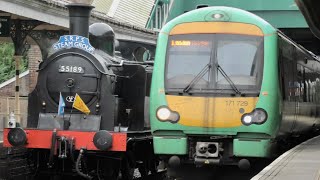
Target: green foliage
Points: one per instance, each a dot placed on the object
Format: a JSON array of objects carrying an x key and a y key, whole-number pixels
[{"x": 7, "y": 63}]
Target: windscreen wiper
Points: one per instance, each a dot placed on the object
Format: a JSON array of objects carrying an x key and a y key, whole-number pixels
[
  {"x": 224, "y": 74},
  {"x": 197, "y": 78}
]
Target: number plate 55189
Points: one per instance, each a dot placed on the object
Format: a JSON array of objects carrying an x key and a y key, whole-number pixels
[{"x": 71, "y": 69}]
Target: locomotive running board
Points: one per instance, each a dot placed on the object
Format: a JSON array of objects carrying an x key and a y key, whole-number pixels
[
  {"x": 42, "y": 139},
  {"x": 78, "y": 122}
]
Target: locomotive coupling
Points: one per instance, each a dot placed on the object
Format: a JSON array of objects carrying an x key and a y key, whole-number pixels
[
  {"x": 206, "y": 161},
  {"x": 207, "y": 149}
]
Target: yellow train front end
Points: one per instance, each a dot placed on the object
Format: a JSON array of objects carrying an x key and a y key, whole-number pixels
[{"x": 215, "y": 90}]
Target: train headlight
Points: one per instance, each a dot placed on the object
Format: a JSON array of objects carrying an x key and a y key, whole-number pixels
[
  {"x": 17, "y": 137},
  {"x": 165, "y": 114},
  {"x": 217, "y": 16},
  {"x": 257, "y": 116},
  {"x": 247, "y": 119}
]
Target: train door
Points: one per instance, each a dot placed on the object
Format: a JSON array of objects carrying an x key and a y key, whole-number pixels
[
  {"x": 297, "y": 86},
  {"x": 287, "y": 72}
]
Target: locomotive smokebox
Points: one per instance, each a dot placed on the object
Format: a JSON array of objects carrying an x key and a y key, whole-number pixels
[{"x": 79, "y": 14}]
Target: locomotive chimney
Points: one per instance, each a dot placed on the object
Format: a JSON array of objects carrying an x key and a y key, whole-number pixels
[{"x": 79, "y": 14}]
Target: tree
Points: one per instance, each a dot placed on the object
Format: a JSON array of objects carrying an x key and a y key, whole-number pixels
[{"x": 7, "y": 63}]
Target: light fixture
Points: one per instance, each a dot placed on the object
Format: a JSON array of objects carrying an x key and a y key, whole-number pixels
[
  {"x": 257, "y": 116},
  {"x": 164, "y": 114},
  {"x": 17, "y": 137},
  {"x": 217, "y": 16}
]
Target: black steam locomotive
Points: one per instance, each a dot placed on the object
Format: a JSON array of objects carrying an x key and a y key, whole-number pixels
[{"x": 111, "y": 141}]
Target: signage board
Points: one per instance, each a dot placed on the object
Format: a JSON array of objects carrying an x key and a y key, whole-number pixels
[
  {"x": 4, "y": 26},
  {"x": 73, "y": 41}
]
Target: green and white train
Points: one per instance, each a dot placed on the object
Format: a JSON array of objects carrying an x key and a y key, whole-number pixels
[{"x": 226, "y": 86}]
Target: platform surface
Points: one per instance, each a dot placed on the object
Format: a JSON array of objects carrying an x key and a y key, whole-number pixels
[{"x": 300, "y": 163}]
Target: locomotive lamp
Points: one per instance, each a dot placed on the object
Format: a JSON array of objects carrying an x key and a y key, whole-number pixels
[
  {"x": 97, "y": 107},
  {"x": 257, "y": 116},
  {"x": 17, "y": 137},
  {"x": 12, "y": 121}
]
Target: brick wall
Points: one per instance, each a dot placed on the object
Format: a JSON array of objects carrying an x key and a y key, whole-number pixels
[
  {"x": 34, "y": 55},
  {"x": 8, "y": 90},
  {"x": 28, "y": 82}
]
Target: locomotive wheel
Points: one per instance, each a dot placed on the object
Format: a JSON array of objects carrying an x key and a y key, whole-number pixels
[
  {"x": 14, "y": 163},
  {"x": 149, "y": 165},
  {"x": 143, "y": 170},
  {"x": 109, "y": 171},
  {"x": 128, "y": 167},
  {"x": 113, "y": 174}
]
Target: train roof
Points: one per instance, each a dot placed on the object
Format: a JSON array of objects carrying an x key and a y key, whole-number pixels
[
  {"x": 303, "y": 50},
  {"x": 229, "y": 15}
]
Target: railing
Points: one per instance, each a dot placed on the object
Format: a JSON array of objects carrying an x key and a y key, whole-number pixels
[{"x": 159, "y": 15}]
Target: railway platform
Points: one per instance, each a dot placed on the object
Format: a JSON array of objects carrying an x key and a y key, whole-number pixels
[{"x": 300, "y": 163}]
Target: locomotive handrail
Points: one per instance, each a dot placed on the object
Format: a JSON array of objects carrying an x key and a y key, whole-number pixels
[
  {"x": 116, "y": 65},
  {"x": 132, "y": 62}
]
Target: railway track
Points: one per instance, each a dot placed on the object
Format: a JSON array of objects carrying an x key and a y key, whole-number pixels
[
  {"x": 161, "y": 175},
  {"x": 13, "y": 163}
]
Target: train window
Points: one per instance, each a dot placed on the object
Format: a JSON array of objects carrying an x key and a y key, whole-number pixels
[
  {"x": 307, "y": 93},
  {"x": 187, "y": 56},
  {"x": 244, "y": 63},
  {"x": 141, "y": 54},
  {"x": 288, "y": 78},
  {"x": 281, "y": 76},
  {"x": 301, "y": 92},
  {"x": 317, "y": 89},
  {"x": 200, "y": 58}
]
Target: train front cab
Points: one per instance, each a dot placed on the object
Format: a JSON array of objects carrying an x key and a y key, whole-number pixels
[{"x": 215, "y": 93}]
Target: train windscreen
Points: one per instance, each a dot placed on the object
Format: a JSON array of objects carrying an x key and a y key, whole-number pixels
[{"x": 210, "y": 61}]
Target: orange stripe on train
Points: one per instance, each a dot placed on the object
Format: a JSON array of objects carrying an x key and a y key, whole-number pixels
[{"x": 216, "y": 27}]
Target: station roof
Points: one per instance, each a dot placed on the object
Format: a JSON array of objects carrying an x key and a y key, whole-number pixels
[
  {"x": 311, "y": 12},
  {"x": 127, "y": 11},
  {"x": 54, "y": 14}
]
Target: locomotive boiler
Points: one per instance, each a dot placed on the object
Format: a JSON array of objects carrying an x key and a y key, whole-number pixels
[{"x": 112, "y": 138}]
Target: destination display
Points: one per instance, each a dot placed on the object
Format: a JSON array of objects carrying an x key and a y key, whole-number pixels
[{"x": 189, "y": 43}]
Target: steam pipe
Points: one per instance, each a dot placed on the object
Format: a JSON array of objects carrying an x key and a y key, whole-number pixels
[{"x": 79, "y": 15}]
